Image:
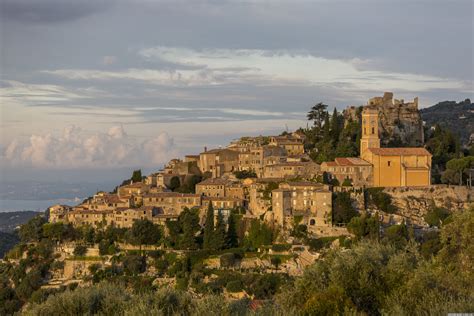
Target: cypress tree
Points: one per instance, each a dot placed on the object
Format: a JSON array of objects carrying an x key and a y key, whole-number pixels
[
  {"x": 232, "y": 240},
  {"x": 335, "y": 128},
  {"x": 209, "y": 228},
  {"x": 219, "y": 234}
]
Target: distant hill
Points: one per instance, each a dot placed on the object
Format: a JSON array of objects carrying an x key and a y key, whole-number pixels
[
  {"x": 11, "y": 220},
  {"x": 458, "y": 117},
  {"x": 7, "y": 241}
]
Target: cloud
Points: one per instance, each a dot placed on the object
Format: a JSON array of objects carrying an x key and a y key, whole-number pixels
[
  {"x": 50, "y": 11},
  {"x": 40, "y": 94},
  {"x": 258, "y": 67},
  {"x": 75, "y": 148}
]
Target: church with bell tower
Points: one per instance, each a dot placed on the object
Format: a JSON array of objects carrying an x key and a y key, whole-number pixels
[{"x": 381, "y": 167}]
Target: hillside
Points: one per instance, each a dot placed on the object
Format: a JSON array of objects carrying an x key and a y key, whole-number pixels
[
  {"x": 458, "y": 117},
  {"x": 7, "y": 241},
  {"x": 11, "y": 220}
]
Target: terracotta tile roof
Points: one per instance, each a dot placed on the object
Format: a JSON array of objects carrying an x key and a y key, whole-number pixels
[
  {"x": 135, "y": 185},
  {"x": 331, "y": 163},
  {"x": 215, "y": 181},
  {"x": 305, "y": 184},
  {"x": 170, "y": 194},
  {"x": 217, "y": 151},
  {"x": 351, "y": 161},
  {"x": 220, "y": 198},
  {"x": 404, "y": 151}
]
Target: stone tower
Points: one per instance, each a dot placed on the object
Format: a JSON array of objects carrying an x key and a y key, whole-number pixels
[{"x": 370, "y": 131}]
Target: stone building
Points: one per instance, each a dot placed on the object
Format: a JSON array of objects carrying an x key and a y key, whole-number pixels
[
  {"x": 357, "y": 170},
  {"x": 103, "y": 201},
  {"x": 58, "y": 213},
  {"x": 399, "y": 121},
  {"x": 172, "y": 202},
  {"x": 219, "y": 162},
  {"x": 256, "y": 158},
  {"x": 218, "y": 187},
  {"x": 310, "y": 200},
  {"x": 221, "y": 203},
  {"x": 293, "y": 145},
  {"x": 80, "y": 216},
  {"x": 259, "y": 194},
  {"x": 137, "y": 188},
  {"x": 306, "y": 170},
  {"x": 392, "y": 167},
  {"x": 124, "y": 217}
]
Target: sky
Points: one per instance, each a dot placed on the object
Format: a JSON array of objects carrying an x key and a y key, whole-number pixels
[{"x": 92, "y": 89}]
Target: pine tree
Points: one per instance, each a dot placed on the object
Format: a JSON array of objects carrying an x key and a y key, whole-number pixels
[
  {"x": 209, "y": 228},
  {"x": 219, "y": 233},
  {"x": 136, "y": 176},
  {"x": 326, "y": 128},
  {"x": 232, "y": 240},
  {"x": 335, "y": 126}
]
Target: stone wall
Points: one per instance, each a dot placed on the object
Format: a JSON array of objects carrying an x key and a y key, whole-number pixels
[
  {"x": 414, "y": 202},
  {"x": 400, "y": 121}
]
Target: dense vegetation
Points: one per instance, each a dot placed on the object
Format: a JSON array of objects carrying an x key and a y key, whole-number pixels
[
  {"x": 455, "y": 116},
  {"x": 329, "y": 137},
  {"x": 394, "y": 273}
]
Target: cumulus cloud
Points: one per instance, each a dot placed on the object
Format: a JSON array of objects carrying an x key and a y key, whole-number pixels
[{"x": 75, "y": 148}]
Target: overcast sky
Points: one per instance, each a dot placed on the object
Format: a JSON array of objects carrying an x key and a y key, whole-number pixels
[{"x": 99, "y": 85}]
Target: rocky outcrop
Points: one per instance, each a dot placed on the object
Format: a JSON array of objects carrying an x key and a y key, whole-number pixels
[
  {"x": 413, "y": 203},
  {"x": 400, "y": 122}
]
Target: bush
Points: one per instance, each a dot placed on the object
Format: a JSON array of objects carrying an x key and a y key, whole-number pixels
[
  {"x": 436, "y": 216},
  {"x": 281, "y": 247},
  {"x": 316, "y": 244},
  {"x": 227, "y": 260},
  {"x": 234, "y": 286},
  {"x": 343, "y": 210},
  {"x": 80, "y": 251},
  {"x": 381, "y": 200},
  {"x": 133, "y": 264}
]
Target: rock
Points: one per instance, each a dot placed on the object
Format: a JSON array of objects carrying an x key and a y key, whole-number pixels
[{"x": 400, "y": 122}]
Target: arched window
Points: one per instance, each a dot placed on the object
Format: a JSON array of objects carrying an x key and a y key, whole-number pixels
[{"x": 312, "y": 222}]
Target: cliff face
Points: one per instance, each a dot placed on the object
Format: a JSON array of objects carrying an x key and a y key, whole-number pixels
[{"x": 400, "y": 122}]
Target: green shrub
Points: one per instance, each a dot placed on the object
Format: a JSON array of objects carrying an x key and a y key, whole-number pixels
[
  {"x": 436, "y": 216},
  {"x": 80, "y": 251},
  {"x": 133, "y": 264},
  {"x": 234, "y": 286}
]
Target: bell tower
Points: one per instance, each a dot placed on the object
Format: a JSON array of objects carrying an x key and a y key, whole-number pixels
[{"x": 370, "y": 131}]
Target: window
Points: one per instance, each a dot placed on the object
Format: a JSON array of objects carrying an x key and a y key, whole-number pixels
[
  {"x": 389, "y": 163},
  {"x": 373, "y": 130},
  {"x": 312, "y": 222}
]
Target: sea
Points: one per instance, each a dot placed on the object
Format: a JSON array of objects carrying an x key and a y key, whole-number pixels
[{"x": 34, "y": 205}]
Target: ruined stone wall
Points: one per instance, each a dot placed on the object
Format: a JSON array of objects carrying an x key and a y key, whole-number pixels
[
  {"x": 414, "y": 202},
  {"x": 400, "y": 121}
]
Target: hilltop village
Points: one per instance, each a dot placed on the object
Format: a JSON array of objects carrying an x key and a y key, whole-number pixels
[
  {"x": 337, "y": 218},
  {"x": 271, "y": 178}
]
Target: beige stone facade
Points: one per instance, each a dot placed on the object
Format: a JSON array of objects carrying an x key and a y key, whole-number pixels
[
  {"x": 219, "y": 162},
  {"x": 306, "y": 170},
  {"x": 218, "y": 187},
  {"x": 137, "y": 188},
  {"x": 311, "y": 200},
  {"x": 58, "y": 213},
  {"x": 357, "y": 170},
  {"x": 172, "y": 202},
  {"x": 293, "y": 145}
]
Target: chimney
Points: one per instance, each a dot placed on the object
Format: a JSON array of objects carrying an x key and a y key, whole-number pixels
[{"x": 205, "y": 149}]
